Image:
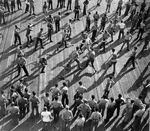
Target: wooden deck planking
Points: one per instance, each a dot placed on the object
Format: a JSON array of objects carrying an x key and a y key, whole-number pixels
[{"x": 44, "y": 82}]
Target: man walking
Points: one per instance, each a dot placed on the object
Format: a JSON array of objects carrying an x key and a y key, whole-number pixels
[
  {"x": 122, "y": 27},
  {"x": 22, "y": 64},
  {"x": 39, "y": 39},
  {"x": 132, "y": 58},
  {"x": 57, "y": 22}
]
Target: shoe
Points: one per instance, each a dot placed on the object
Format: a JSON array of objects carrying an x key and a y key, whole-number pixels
[
  {"x": 42, "y": 47},
  {"x": 51, "y": 41},
  {"x": 42, "y": 71}
]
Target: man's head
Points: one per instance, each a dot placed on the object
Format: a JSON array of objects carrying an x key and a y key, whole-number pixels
[{"x": 80, "y": 83}]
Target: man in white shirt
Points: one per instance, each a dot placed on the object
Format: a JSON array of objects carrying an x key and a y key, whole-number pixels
[
  {"x": 46, "y": 118},
  {"x": 122, "y": 27}
]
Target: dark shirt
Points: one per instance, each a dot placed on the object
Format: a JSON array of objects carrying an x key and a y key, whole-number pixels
[
  {"x": 119, "y": 102},
  {"x": 22, "y": 102}
]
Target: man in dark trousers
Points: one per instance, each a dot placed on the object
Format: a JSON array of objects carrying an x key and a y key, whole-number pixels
[
  {"x": 62, "y": 3},
  {"x": 103, "y": 22},
  {"x": 43, "y": 63},
  {"x": 88, "y": 22},
  {"x": 6, "y": 5},
  {"x": 141, "y": 30},
  {"x": 22, "y": 102},
  {"x": 119, "y": 8},
  {"x": 77, "y": 12},
  {"x": 57, "y": 22},
  {"x": 12, "y": 4},
  {"x": 50, "y": 4},
  {"x": 69, "y": 4},
  {"x": 16, "y": 35},
  {"x": 39, "y": 39},
  {"x": 27, "y": 96},
  {"x": 57, "y": 106},
  {"x": 50, "y": 31},
  {"x": 146, "y": 42},
  {"x": 131, "y": 58},
  {"x": 28, "y": 35},
  {"x": 94, "y": 32},
  {"x": 121, "y": 27},
  {"x": 19, "y": 5},
  {"x": 118, "y": 102},
  {"x": 22, "y": 64},
  {"x": 59, "y": 3},
  {"x": 34, "y": 104},
  {"x": 143, "y": 5},
  {"x": 110, "y": 110}
]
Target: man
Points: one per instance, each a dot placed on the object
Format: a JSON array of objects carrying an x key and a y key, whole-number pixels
[
  {"x": 132, "y": 58},
  {"x": 110, "y": 110},
  {"x": 16, "y": 35},
  {"x": 31, "y": 3},
  {"x": 76, "y": 104},
  {"x": 88, "y": 22},
  {"x": 6, "y": 5},
  {"x": 96, "y": 17},
  {"x": 3, "y": 103},
  {"x": 81, "y": 89},
  {"x": 104, "y": 20},
  {"x": 55, "y": 91},
  {"x": 27, "y": 96},
  {"x": 29, "y": 35},
  {"x": 50, "y": 31},
  {"x": 46, "y": 100},
  {"x": 128, "y": 6},
  {"x": 69, "y": 4},
  {"x": 91, "y": 58},
  {"x": 57, "y": 106},
  {"x": 43, "y": 63},
  {"x": 122, "y": 27},
  {"x": 34, "y": 104},
  {"x": 58, "y": 3},
  {"x": 119, "y": 8},
  {"x": 111, "y": 30},
  {"x": 127, "y": 39},
  {"x": 102, "y": 104},
  {"x": 96, "y": 117},
  {"x": 46, "y": 118},
  {"x": 39, "y": 39},
  {"x": 85, "y": 109},
  {"x": 108, "y": 5},
  {"x": 141, "y": 30},
  {"x": 19, "y": 5},
  {"x": 77, "y": 12},
  {"x": 22, "y": 102},
  {"x": 12, "y": 4},
  {"x": 118, "y": 103},
  {"x": 50, "y": 4},
  {"x": 113, "y": 60},
  {"x": 14, "y": 112},
  {"x": 134, "y": 22},
  {"x": 143, "y": 5},
  {"x": 22, "y": 65},
  {"x": 2, "y": 14},
  {"x": 67, "y": 117},
  {"x": 94, "y": 33},
  {"x": 79, "y": 122},
  {"x": 92, "y": 103},
  {"x": 146, "y": 42},
  {"x": 57, "y": 22},
  {"x": 65, "y": 99}
]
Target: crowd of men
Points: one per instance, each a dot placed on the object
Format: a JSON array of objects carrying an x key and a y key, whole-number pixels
[{"x": 82, "y": 110}]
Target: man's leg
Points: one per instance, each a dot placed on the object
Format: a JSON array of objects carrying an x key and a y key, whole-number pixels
[{"x": 25, "y": 70}]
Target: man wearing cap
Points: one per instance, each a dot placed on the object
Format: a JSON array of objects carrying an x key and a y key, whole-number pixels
[
  {"x": 67, "y": 116},
  {"x": 46, "y": 118},
  {"x": 85, "y": 109},
  {"x": 14, "y": 112},
  {"x": 57, "y": 106}
]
